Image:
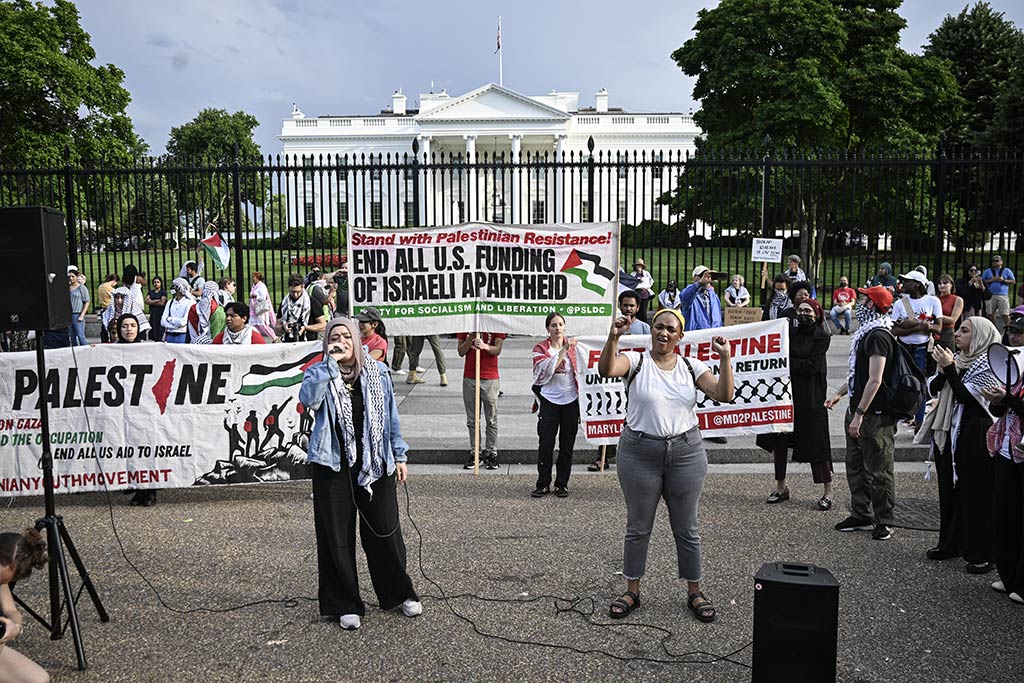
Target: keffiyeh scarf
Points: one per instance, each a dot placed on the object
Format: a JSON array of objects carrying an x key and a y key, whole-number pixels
[
  {"x": 295, "y": 310},
  {"x": 372, "y": 380},
  {"x": 869, "y": 320},
  {"x": 112, "y": 311},
  {"x": 780, "y": 302}
]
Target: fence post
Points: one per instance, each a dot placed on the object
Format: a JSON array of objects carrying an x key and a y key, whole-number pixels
[
  {"x": 69, "y": 208},
  {"x": 766, "y": 228},
  {"x": 236, "y": 191},
  {"x": 591, "y": 213},
  {"x": 940, "y": 165},
  {"x": 416, "y": 183}
]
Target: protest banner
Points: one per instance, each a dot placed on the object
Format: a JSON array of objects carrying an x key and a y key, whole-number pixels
[
  {"x": 482, "y": 276},
  {"x": 156, "y": 416},
  {"x": 742, "y": 315},
  {"x": 760, "y": 362}
]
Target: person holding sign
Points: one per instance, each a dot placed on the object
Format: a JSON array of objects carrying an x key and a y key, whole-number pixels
[
  {"x": 356, "y": 457},
  {"x": 555, "y": 371},
  {"x": 486, "y": 347},
  {"x": 661, "y": 453}
]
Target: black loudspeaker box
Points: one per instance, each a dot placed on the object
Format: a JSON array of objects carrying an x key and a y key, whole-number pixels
[
  {"x": 34, "y": 292},
  {"x": 796, "y": 623}
]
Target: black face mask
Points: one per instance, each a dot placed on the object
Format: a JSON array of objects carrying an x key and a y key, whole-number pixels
[{"x": 805, "y": 321}]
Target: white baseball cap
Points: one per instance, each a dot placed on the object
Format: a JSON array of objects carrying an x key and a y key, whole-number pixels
[
  {"x": 700, "y": 270},
  {"x": 916, "y": 276}
]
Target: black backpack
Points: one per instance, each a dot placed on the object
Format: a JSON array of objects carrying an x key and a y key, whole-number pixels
[{"x": 904, "y": 384}]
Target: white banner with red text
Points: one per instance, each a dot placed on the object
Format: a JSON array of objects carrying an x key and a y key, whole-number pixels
[
  {"x": 155, "y": 416},
  {"x": 486, "y": 277},
  {"x": 760, "y": 363}
]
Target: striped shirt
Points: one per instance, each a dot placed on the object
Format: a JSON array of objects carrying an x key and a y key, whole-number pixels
[{"x": 79, "y": 298}]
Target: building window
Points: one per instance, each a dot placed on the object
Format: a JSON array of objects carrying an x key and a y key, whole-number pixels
[
  {"x": 584, "y": 211},
  {"x": 622, "y": 168},
  {"x": 460, "y": 206},
  {"x": 307, "y": 173},
  {"x": 499, "y": 212},
  {"x": 622, "y": 210},
  {"x": 410, "y": 214},
  {"x": 375, "y": 174},
  {"x": 539, "y": 213},
  {"x": 376, "y": 214},
  {"x": 343, "y": 211},
  {"x": 407, "y": 173},
  {"x": 310, "y": 215}
]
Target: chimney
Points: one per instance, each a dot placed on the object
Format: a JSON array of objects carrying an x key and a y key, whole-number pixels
[
  {"x": 601, "y": 101},
  {"x": 398, "y": 103}
]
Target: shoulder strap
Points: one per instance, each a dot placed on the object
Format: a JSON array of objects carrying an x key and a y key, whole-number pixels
[
  {"x": 907, "y": 308},
  {"x": 689, "y": 367},
  {"x": 634, "y": 371}
]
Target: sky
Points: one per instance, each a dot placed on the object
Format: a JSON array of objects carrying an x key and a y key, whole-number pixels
[{"x": 347, "y": 58}]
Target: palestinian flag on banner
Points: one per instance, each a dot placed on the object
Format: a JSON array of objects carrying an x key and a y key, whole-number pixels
[
  {"x": 216, "y": 248},
  {"x": 262, "y": 377},
  {"x": 588, "y": 268}
]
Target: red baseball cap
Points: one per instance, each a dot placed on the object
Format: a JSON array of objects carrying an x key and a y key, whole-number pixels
[{"x": 880, "y": 296}]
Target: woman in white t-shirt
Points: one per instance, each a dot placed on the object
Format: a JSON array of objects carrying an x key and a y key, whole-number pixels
[
  {"x": 554, "y": 371},
  {"x": 661, "y": 452}
]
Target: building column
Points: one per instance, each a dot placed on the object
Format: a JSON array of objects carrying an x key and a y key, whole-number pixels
[
  {"x": 426, "y": 186},
  {"x": 471, "y": 188},
  {"x": 517, "y": 179},
  {"x": 558, "y": 186}
]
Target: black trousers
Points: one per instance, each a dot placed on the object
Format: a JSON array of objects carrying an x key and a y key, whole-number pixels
[
  {"x": 334, "y": 514},
  {"x": 951, "y": 509},
  {"x": 975, "y": 477},
  {"x": 1008, "y": 504},
  {"x": 563, "y": 421}
]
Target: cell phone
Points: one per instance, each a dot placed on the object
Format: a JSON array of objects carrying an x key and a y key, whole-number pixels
[{"x": 719, "y": 276}]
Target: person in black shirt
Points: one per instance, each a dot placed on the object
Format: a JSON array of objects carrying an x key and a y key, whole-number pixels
[{"x": 870, "y": 433}]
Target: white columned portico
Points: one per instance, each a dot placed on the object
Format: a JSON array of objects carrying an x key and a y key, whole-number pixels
[
  {"x": 427, "y": 187},
  {"x": 559, "y": 185},
  {"x": 471, "y": 214},
  {"x": 517, "y": 194}
]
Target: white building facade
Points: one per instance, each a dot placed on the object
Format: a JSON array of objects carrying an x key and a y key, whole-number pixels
[{"x": 487, "y": 155}]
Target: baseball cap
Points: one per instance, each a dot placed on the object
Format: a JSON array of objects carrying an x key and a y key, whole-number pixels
[
  {"x": 1016, "y": 323},
  {"x": 370, "y": 314},
  {"x": 880, "y": 296},
  {"x": 916, "y": 276},
  {"x": 700, "y": 270}
]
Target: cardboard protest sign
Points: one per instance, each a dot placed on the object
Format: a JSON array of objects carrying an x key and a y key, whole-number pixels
[
  {"x": 482, "y": 276},
  {"x": 760, "y": 362},
  {"x": 742, "y": 315},
  {"x": 766, "y": 250},
  {"x": 156, "y": 416}
]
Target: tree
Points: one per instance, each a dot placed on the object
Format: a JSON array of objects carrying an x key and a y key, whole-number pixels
[
  {"x": 981, "y": 47},
  {"x": 811, "y": 75},
  {"x": 52, "y": 95},
  {"x": 209, "y": 140}
]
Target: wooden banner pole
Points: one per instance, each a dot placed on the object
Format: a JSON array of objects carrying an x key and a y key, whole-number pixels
[{"x": 476, "y": 412}]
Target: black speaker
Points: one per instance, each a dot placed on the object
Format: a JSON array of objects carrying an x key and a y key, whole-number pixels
[
  {"x": 796, "y": 623},
  {"x": 34, "y": 271}
]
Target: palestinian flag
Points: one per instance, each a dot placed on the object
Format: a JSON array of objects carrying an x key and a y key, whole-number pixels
[
  {"x": 588, "y": 268},
  {"x": 216, "y": 247},
  {"x": 262, "y": 377}
]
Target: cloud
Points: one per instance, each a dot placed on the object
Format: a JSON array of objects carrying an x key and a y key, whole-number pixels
[
  {"x": 179, "y": 61},
  {"x": 159, "y": 40}
]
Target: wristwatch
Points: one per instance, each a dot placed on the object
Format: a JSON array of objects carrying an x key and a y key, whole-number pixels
[{"x": 859, "y": 411}]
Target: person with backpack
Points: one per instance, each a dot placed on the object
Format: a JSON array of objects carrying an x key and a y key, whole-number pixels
[
  {"x": 870, "y": 430},
  {"x": 957, "y": 427},
  {"x": 916, "y": 316}
]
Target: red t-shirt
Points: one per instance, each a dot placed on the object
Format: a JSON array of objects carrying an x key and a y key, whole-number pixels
[
  {"x": 257, "y": 338},
  {"x": 844, "y": 296},
  {"x": 374, "y": 342},
  {"x": 488, "y": 363}
]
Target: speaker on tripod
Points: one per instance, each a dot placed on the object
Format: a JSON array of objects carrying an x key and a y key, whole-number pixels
[
  {"x": 796, "y": 623},
  {"x": 35, "y": 241}
]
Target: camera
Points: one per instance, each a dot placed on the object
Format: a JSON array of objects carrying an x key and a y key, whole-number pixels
[{"x": 291, "y": 331}]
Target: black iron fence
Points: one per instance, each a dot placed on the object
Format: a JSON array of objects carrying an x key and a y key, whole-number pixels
[{"x": 843, "y": 214}]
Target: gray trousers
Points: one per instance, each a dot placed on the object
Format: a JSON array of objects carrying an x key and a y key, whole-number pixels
[
  {"x": 489, "y": 412},
  {"x": 650, "y": 469},
  {"x": 416, "y": 348},
  {"x": 869, "y": 468}
]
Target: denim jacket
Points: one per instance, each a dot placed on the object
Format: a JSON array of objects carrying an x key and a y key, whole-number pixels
[{"x": 324, "y": 446}]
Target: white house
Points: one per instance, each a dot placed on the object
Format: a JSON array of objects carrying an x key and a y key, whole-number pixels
[{"x": 491, "y": 121}]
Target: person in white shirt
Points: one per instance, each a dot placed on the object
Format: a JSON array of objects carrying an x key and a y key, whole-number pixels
[
  {"x": 916, "y": 317},
  {"x": 661, "y": 453},
  {"x": 736, "y": 295},
  {"x": 669, "y": 297},
  {"x": 226, "y": 291},
  {"x": 645, "y": 288}
]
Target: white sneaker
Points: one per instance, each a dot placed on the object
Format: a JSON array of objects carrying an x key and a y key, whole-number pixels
[
  {"x": 412, "y": 608},
  {"x": 349, "y": 622},
  {"x": 420, "y": 370},
  {"x": 998, "y": 586},
  {"x": 1016, "y": 597},
  {"x": 398, "y": 372}
]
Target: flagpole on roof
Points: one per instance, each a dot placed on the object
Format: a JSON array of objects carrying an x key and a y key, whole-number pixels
[{"x": 501, "y": 74}]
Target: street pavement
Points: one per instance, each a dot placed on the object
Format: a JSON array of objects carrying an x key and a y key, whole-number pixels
[{"x": 207, "y": 551}]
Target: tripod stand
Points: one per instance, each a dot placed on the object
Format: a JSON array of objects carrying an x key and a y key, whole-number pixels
[{"x": 57, "y": 539}]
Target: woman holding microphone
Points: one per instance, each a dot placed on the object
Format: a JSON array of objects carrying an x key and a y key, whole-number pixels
[
  {"x": 356, "y": 456},
  {"x": 661, "y": 453}
]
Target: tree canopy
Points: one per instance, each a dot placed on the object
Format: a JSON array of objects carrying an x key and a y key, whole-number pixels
[
  {"x": 51, "y": 93},
  {"x": 982, "y": 48},
  {"x": 814, "y": 74},
  {"x": 212, "y": 135}
]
